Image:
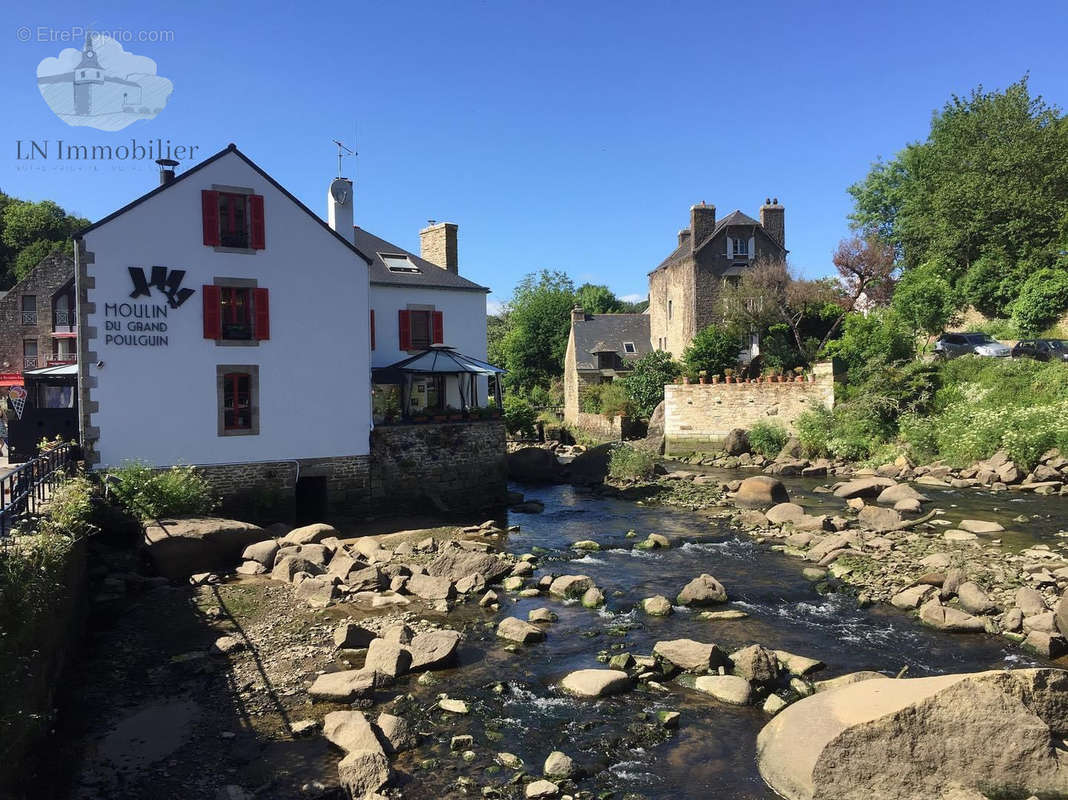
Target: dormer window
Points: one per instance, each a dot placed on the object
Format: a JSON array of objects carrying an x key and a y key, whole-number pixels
[
  {"x": 399, "y": 263},
  {"x": 741, "y": 247}
]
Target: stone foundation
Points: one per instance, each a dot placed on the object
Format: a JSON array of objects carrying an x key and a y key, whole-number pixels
[
  {"x": 599, "y": 426},
  {"x": 699, "y": 417}
]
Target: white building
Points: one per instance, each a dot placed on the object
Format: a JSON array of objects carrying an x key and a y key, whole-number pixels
[{"x": 220, "y": 319}]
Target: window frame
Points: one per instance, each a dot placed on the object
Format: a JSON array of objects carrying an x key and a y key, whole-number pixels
[
  {"x": 29, "y": 316},
  {"x": 249, "y": 285},
  {"x": 229, "y": 374},
  {"x": 741, "y": 247},
  {"x": 234, "y": 199},
  {"x": 629, "y": 348}
]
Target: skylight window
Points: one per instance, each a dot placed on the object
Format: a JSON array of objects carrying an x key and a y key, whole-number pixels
[
  {"x": 398, "y": 262},
  {"x": 628, "y": 347}
]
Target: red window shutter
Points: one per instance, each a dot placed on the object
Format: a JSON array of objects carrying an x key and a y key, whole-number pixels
[
  {"x": 212, "y": 312},
  {"x": 258, "y": 230},
  {"x": 209, "y": 211},
  {"x": 439, "y": 328},
  {"x": 372, "y": 329},
  {"x": 261, "y": 307},
  {"x": 405, "y": 330}
]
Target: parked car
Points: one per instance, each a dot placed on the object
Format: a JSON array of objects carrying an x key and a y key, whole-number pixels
[
  {"x": 952, "y": 345},
  {"x": 1042, "y": 349}
]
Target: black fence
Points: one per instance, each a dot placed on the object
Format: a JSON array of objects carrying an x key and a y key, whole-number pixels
[{"x": 27, "y": 487}]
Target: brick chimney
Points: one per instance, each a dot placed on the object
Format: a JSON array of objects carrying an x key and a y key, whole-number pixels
[
  {"x": 773, "y": 220},
  {"x": 702, "y": 223},
  {"x": 437, "y": 244}
]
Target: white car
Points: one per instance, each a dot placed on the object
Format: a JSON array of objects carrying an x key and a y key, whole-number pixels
[{"x": 952, "y": 345}]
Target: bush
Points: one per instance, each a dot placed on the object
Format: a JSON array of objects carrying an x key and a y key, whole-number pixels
[
  {"x": 151, "y": 493},
  {"x": 870, "y": 342},
  {"x": 646, "y": 382},
  {"x": 1043, "y": 297},
  {"x": 630, "y": 462},
  {"x": 768, "y": 438},
  {"x": 615, "y": 401},
  {"x": 71, "y": 510},
  {"x": 925, "y": 299},
  {"x": 713, "y": 350},
  {"x": 590, "y": 398},
  {"x": 519, "y": 415}
]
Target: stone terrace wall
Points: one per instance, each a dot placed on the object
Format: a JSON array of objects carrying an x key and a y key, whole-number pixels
[
  {"x": 599, "y": 425},
  {"x": 439, "y": 467},
  {"x": 699, "y": 417}
]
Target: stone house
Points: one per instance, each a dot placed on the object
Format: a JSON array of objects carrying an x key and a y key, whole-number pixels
[
  {"x": 600, "y": 349},
  {"x": 684, "y": 289},
  {"x": 38, "y": 325}
]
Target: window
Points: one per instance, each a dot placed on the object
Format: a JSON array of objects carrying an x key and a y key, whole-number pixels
[
  {"x": 741, "y": 247},
  {"x": 238, "y": 400},
  {"x": 29, "y": 309},
  {"x": 233, "y": 219},
  {"x": 400, "y": 263},
  {"x": 29, "y": 354},
  {"x": 669, "y": 309},
  {"x": 606, "y": 361},
  {"x": 236, "y": 310},
  {"x": 420, "y": 328},
  {"x": 628, "y": 347}
]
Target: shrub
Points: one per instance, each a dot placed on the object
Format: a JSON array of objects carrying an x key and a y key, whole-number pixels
[
  {"x": 590, "y": 398},
  {"x": 71, "y": 510},
  {"x": 519, "y": 415},
  {"x": 646, "y": 382},
  {"x": 869, "y": 342},
  {"x": 152, "y": 493},
  {"x": 712, "y": 350},
  {"x": 925, "y": 298},
  {"x": 1042, "y": 298},
  {"x": 614, "y": 400},
  {"x": 768, "y": 438},
  {"x": 630, "y": 462}
]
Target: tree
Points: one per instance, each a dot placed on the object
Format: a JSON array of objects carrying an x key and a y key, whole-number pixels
[
  {"x": 989, "y": 184},
  {"x": 1042, "y": 299},
  {"x": 870, "y": 341},
  {"x": 865, "y": 266},
  {"x": 925, "y": 299},
  {"x": 714, "y": 349},
  {"x": 645, "y": 384},
  {"x": 29, "y": 232},
  {"x": 595, "y": 299},
  {"x": 539, "y": 321}
]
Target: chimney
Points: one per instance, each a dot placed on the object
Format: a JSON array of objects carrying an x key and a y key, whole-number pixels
[
  {"x": 166, "y": 169},
  {"x": 773, "y": 220},
  {"x": 684, "y": 236},
  {"x": 437, "y": 244},
  {"x": 577, "y": 315},
  {"x": 339, "y": 205},
  {"x": 702, "y": 223}
]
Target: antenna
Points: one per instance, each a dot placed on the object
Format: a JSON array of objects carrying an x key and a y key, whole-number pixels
[{"x": 342, "y": 152}]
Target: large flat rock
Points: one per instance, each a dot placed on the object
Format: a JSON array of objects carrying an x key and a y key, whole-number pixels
[{"x": 179, "y": 548}]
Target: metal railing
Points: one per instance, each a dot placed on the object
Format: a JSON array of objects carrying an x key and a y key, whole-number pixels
[
  {"x": 63, "y": 319},
  {"x": 26, "y": 488},
  {"x": 29, "y": 317},
  {"x": 29, "y": 362}
]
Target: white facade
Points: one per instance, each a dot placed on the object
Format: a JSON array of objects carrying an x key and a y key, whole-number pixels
[
  {"x": 156, "y": 398},
  {"x": 463, "y": 320}
]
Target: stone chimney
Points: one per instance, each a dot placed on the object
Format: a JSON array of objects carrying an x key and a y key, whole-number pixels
[
  {"x": 577, "y": 315},
  {"x": 437, "y": 244},
  {"x": 684, "y": 236},
  {"x": 773, "y": 220},
  {"x": 339, "y": 205},
  {"x": 702, "y": 223}
]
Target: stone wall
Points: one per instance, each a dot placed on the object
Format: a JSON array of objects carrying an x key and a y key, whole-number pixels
[
  {"x": 43, "y": 281},
  {"x": 442, "y": 467},
  {"x": 599, "y": 426},
  {"x": 699, "y": 417}
]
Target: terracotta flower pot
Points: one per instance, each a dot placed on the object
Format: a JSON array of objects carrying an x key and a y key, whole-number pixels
[
  {"x": 715, "y": 379},
  {"x": 685, "y": 381},
  {"x": 798, "y": 379},
  {"x": 701, "y": 381}
]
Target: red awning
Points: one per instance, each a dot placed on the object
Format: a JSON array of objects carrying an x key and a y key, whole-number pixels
[{"x": 61, "y": 335}]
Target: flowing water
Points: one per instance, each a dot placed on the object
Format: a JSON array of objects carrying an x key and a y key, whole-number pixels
[{"x": 516, "y": 707}]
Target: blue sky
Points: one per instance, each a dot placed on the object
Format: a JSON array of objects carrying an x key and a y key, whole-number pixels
[{"x": 559, "y": 135}]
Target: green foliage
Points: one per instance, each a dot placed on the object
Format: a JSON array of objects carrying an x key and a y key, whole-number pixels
[
  {"x": 151, "y": 493},
  {"x": 615, "y": 401},
  {"x": 645, "y": 384},
  {"x": 868, "y": 342},
  {"x": 713, "y": 349},
  {"x": 632, "y": 463},
  {"x": 519, "y": 415},
  {"x": 71, "y": 509},
  {"x": 1042, "y": 299},
  {"x": 768, "y": 438},
  {"x": 29, "y": 232},
  {"x": 925, "y": 299},
  {"x": 590, "y": 398},
  {"x": 985, "y": 195},
  {"x": 778, "y": 349},
  {"x": 595, "y": 299},
  {"x": 539, "y": 321}
]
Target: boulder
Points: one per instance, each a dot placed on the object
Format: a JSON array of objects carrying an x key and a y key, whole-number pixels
[
  {"x": 1050, "y": 645},
  {"x": 909, "y": 738},
  {"x": 571, "y": 585},
  {"x": 261, "y": 552},
  {"x": 880, "y": 520},
  {"x": 350, "y": 731},
  {"x": 913, "y": 597},
  {"x": 316, "y": 592},
  {"x": 534, "y": 465},
  {"x": 704, "y": 590},
  {"x": 363, "y": 771},
  {"x": 179, "y": 548},
  {"x": 657, "y": 606},
  {"x": 286, "y": 568},
  {"x": 737, "y": 442},
  {"x": 945, "y": 618},
  {"x": 309, "y": 534},
  {"x": 589, "y": 468},
  {"x": 341, "y": 564},
  {"x": 515, "y": 630},
  {"x": 1030, "y": 601},
  {"x": 1061, "y": 614},
  {"x": 541, "y": 790},
  {"x": 761, "y": 490},
  {"x": 596, "y": 682},
  {"x": 755, "y": 664},
  {"x": 349, "y": 636},
  {"x": 347, "y": 686},
  {"x": 726, "y": 688},
  {"x": 892, "y": 495},
  {"x": 251, "y": 568},
  {"x": 543, "y": 615},
  {"x": 559, "y": 766},
  {"x": 398, "y": 735},
  {"x": 907, "y": 506},
  {"x": 871, "y": 486},
  {"x": 389, "y": 658},
  {"x": 979, "y": 526},
  {"x": 973, "y": 599},
  {"x": 455, "y": 564},
  {"x": 847, "y": 679},
  {"x": 798, "y": 665},
  {"x": 593, "y": 598},
  {"x": 686, "y": 654},
  {"x": 431, "y": 588},
  {"x": 784, "y": 512},
  {"x": 367, "y": 579},
  {"x": 433, "y": 649}
]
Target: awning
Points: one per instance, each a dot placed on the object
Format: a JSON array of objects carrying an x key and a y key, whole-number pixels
[{"x": 58, "y": 371}]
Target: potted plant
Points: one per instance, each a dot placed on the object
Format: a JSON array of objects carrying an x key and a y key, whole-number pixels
[
  {"x": 715, "y": 379},
  {"x": 798, "y": 374},
  {"x": 728, "y": 374},
  {"x": 702, "y": 377},
  {"x": 685, "y": 380}
]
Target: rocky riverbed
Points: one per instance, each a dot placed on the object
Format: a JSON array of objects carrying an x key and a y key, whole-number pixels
[{"x": 604, "y": 649}]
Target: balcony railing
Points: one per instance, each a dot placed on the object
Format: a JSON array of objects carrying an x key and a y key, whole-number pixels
[
  {"x": 29, "y": 362},
  {"x": 29, "y": 317},
  {"x": 64, "y": 319}
]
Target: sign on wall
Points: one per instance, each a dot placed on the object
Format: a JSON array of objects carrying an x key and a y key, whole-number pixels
[{"x": 129, "y": 324}]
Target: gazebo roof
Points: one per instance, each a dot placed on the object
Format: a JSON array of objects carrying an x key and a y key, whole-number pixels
[{"x": 437, "y": 360}]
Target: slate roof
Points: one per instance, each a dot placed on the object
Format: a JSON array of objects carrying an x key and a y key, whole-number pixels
[
  {"x": 430, "y": 275},
  {"x": 599, "y": 330},
  {"x": 736, "y": 217}
]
